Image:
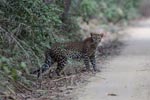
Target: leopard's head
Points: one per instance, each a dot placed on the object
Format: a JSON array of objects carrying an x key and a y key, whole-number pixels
[{"x": 96, "y": 38}]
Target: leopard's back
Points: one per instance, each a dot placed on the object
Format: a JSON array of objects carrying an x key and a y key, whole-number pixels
[
  {"x": 87, "y": 46},
  {"x": 69, "y": 46}
]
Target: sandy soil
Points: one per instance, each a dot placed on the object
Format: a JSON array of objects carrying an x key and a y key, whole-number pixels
[{"x": 126, "y": 76}]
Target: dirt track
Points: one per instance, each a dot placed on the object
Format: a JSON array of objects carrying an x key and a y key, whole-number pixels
[{"x": 126, "y": 76}]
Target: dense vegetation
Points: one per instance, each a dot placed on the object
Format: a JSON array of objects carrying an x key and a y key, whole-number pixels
[{"x": 27, "y": 27}]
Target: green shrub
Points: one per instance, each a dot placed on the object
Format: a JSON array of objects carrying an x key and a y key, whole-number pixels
[{"x": 88, "y": 8}]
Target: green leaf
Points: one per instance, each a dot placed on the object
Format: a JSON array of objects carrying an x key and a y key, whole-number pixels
[
  {"x": 23, "y": 65},
  {"x": 6, "y": 69},
  {"x": 14, "y": 74}
]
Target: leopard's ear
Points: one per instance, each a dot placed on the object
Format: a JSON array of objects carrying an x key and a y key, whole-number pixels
[
  {"x": 92, "y": 34},
  {"x": 102, "y": 34}
]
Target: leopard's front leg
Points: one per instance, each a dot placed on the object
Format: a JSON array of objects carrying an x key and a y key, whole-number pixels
[
  {"x": 86, "y": 62},
  {"x": 93, "y": 62}
]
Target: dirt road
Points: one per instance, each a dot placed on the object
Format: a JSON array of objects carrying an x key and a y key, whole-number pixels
[{"x": 126, "y": 76}]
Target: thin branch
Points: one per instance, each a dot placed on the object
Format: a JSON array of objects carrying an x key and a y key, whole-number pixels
[{"x": 10, "y": 35}]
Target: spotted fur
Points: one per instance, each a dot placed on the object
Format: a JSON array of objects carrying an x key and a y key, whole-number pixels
[{"x": 60, "y": 52}]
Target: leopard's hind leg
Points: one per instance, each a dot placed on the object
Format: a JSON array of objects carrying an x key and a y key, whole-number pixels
[
  {"x": 60, "y": 65},
  {"x": 47, "y": 64}
]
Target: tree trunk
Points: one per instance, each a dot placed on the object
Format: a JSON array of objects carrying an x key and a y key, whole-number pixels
[{"x": 67, "y": 5}]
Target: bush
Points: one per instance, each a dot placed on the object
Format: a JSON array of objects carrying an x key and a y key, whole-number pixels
[
  {"x": 88, "y": 9},
  {"x": 117, "y": 10},
  {"x": 27, "y": 27}
]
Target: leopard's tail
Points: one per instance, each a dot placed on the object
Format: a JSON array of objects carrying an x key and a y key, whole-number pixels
[
  {"x": 44, "y": 67},
  {"x": 41, "y": 70}
]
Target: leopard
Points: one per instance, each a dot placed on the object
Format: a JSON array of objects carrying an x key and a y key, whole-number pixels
[{"x": 60, "y": 53}]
